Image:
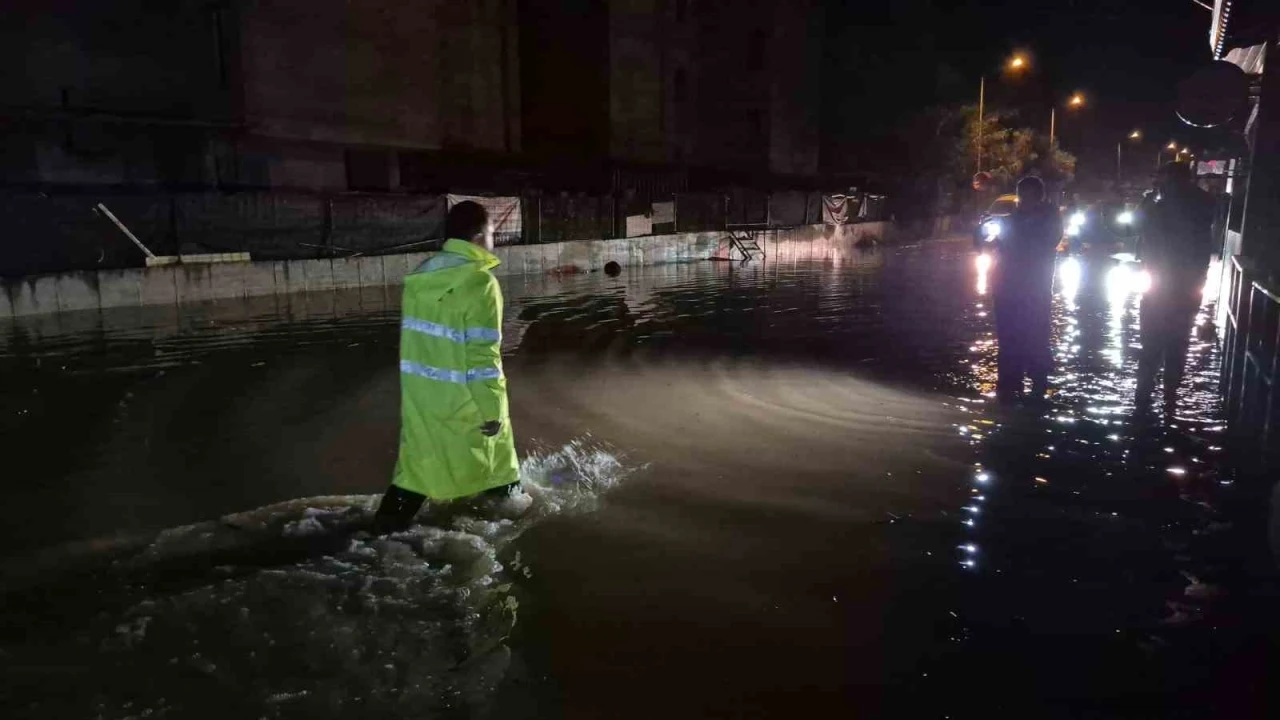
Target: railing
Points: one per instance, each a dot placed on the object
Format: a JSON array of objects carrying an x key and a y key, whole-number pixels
[{"x": 1251, "y": 364}]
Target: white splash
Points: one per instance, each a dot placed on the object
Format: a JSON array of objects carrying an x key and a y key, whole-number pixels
[{"x": 409, "y": 624}]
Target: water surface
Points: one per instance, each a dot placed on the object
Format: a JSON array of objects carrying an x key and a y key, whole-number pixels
[{"x": 802, "y": 499}]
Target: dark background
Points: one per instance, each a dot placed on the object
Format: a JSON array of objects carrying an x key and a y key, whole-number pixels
[{"x": 891, "y": 61}]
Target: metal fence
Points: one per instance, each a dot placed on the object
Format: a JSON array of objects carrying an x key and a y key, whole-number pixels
[
  {"x": 1251, "y": 365},
  {"x": 59, "y": 232}
]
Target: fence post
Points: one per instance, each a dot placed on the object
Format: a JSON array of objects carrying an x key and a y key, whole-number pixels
[
  {"x": 326, "y": 226},
  {"x": 174, "y": 244}
]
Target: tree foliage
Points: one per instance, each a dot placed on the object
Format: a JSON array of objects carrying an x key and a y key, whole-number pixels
[{"x": 1008, "y": 152}]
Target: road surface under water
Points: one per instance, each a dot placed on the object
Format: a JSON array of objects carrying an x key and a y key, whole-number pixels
[{"x": 753, "y": 491}]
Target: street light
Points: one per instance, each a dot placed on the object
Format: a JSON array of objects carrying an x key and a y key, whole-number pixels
[
  {"x": 1017, "y": 62},
  {"x": 1135, "y": 135},
  {"x": 1076, "y": 101}
]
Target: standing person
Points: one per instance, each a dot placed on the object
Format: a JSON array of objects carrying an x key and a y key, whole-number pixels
[
  {"x": 1022, "y": 287},
  {"x": 455, "y": 427},
  {"x": 1175, "y": 247}
]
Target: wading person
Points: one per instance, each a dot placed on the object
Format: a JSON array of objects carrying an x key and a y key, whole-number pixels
[
  {"x": 1022, "y": 288},
  {"x": 455, "y": 431},
  {"x": 1175, "y": 247}
]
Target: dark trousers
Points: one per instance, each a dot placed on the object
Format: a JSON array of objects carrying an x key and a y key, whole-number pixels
[
  {"x": 399, "y": 506},
  {"x": 1166, "y": 318},
  {"x": 1023, "y": 325}
]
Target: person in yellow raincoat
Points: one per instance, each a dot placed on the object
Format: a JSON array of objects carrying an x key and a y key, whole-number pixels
[{"x": 455, "y": 431}]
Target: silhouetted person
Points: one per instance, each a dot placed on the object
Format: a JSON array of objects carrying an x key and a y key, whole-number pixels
[
  {"x": 1175, "y": 247},
  {"x": 1022, "y": 287}
]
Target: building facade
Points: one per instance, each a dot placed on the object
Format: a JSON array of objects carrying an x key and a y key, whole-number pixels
[{"x": 329, "y": 95}]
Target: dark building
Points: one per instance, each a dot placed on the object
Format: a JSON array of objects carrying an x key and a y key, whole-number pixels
[{"x": 381, "y": 94}]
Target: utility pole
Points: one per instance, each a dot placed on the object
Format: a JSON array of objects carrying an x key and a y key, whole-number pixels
[{"x": 982, "y": 93}]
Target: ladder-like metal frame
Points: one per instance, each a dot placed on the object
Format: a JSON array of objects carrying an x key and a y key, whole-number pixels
[{"x": 746, "y": 241}]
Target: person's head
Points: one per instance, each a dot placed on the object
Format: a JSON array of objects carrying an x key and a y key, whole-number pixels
[
  {"x": 1173, "y": 174},
  {"x": 1030, "y": 190},
  {"x": 469, "y": 221}
]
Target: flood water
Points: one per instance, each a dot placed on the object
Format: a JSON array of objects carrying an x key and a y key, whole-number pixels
[{"x": 761, "y": 490}]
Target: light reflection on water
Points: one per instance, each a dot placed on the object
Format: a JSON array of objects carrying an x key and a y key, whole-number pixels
[
  {"x": 762, "y": 398},
  {"x": 1067, "y": 496}
]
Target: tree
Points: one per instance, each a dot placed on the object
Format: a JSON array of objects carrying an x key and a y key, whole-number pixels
[{"x": 1008, "y": 152}]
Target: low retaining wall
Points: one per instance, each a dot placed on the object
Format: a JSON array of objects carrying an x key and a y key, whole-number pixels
[{"x": 188, "y": 284}]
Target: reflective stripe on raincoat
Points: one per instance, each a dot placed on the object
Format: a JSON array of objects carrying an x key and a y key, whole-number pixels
[{"x": 451, "y": 379}]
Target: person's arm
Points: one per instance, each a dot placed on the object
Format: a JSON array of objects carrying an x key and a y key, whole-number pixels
[
  {"x": 484, "y": 355},
  {"x": 1145, "y": 209}
]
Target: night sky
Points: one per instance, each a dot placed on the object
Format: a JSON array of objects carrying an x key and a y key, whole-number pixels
[{"x": 1127, "y": 57}]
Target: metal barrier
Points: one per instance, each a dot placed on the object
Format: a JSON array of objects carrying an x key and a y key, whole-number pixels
[{"x": 1251, "y": 364}]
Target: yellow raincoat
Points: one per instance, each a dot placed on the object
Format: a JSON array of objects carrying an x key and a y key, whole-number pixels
[{"x": 451, "y": 379}]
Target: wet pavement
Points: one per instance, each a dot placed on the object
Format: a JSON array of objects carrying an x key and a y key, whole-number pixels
[{"x": 803, "y": 498}]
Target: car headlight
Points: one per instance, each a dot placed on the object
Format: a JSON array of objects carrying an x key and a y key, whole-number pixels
[
  {"x": 991, "y": 229},
  {"x": 1125, "y": 218},
  {"x": 1078, "y": 218},
  {"x": 1073, "y": 230}
]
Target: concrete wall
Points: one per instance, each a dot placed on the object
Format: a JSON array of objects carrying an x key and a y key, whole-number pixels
[
  {"x": 636, "y": 65},
  {"x": 652, "y": 88},
  {"x": 133, "y": 57},
  {"x": 187, "y": 284},
  {"x": 795, "y": 87},
  {"x": 101, "y": 92},
  {"x": 731, "y": 65},
  {"x": 426, "y": 74}
]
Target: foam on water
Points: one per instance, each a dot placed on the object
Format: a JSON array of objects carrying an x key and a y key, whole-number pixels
[{"x": 411, "y": 624}]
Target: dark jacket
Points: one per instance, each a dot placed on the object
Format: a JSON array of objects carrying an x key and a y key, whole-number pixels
[
  {"x": 1177, "y": 231},
  {"x": 1025, "y": 253}
]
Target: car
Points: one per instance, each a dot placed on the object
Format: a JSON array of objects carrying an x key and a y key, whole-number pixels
[
  {"x": 991, "y": 222},
  {"x": 1105, "y": 228}
]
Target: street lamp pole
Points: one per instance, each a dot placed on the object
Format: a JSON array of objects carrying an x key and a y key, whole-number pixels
[
  {"x": 982, "y": 95},
  {"x": 1018, "y": 62},
  {"x": 1135, "y": 135},
  {"x": 1077, "y": 100}
]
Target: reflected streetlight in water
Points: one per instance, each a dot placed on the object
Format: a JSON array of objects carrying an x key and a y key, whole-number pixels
[
  {"x": 1125, "y": 280},
  {"x": 983, "y": 264},
  {"x": 1070, "y": 272}
]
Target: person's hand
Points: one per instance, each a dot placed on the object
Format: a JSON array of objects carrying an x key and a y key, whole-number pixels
[{"x": 491, "y": 428}]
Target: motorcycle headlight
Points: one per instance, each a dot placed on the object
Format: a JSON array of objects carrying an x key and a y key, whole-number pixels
[
  {"x": 1078, "y": 218},
  {"x": 1125, "y": 218},
  {"x": 1073, "y": 230},
  {"x": 991, "y": 229}
]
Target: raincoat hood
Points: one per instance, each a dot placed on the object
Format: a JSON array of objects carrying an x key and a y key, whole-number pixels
[{"x": 472, "y": 252}]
